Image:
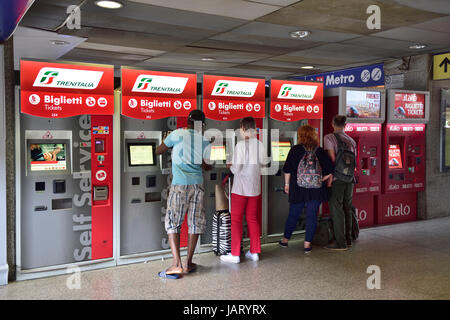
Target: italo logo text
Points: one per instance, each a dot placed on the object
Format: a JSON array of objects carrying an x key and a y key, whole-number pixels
[
  {"x": 295, "y": 91},
  {"x": 230, "y": 88},
  {"x": 68, "y": 78},
  {"x": 400, "y": 210},
  {"x": 159, "y": 84}
]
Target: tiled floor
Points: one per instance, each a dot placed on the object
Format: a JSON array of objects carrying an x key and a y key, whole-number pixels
[{"x": 414, "y": 259}]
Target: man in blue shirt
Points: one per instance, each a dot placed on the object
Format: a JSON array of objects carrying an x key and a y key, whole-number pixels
[{"x": 189, "y": 149}]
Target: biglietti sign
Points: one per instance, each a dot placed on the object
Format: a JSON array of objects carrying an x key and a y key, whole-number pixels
[
  {"x": 230, "y": 98},
  {"x": 58, "y": 90},
  {"x": 155, "y": 95},
  {"x": 295, "y": 100}
]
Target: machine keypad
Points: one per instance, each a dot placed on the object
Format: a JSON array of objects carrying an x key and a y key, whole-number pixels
[
  {"x": 39, "y": 186},
  {"x": 59, "y": 186},
  {"x": 135, "y": 181}
]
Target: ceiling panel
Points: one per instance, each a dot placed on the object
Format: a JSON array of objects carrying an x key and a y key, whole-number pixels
[
  {"x": 240, "y": 46},
  {"x": 195, "y": 53},
  {"x": 96, "y": 56},
  {"x": 36, "y": 44},
  {"x": 260, "y": 40},
  {"x": 311, "y": 60},
  {"x": 346, "y": 15},
  {"x": 439, "y": 24},
  {"x": 173, "y": 61},
  {"x": 416, "y": 35},
  {"x": 283, "y": 31},
  {"x": 120, "y": 49},
  {"x": 437, "y": 6},
  {"x": 261, "y": 73},
  {"x": 129, "y": 39},
  {"x": 240, "y": 9}
]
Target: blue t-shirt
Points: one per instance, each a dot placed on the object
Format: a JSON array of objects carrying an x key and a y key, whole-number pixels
[{"x": 189, "y": 148}]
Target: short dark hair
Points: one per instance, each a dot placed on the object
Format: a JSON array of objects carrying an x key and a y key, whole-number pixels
[
  {"x": 339, "y": 121},
  {"x": 196, "y": 115},
  {"x": 248, "y": 123}
]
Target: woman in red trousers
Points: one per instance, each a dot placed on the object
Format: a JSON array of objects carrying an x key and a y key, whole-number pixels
[{"x": 246, "y": 167}]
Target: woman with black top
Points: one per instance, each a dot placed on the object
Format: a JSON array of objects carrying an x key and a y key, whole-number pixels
[{"x": 299, "y": 197}]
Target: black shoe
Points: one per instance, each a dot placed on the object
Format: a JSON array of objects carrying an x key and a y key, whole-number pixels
[
  {"x": 307, "y": 250},
  {"x": 335, "y": 247},
  {"x": 282, "y": 244},
  {"x": 349, "y": 243}
]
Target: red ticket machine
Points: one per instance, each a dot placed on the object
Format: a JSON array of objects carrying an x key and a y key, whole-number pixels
[
  {"x": 365, "y": 111},
  {"x": 404, "y": 156}
]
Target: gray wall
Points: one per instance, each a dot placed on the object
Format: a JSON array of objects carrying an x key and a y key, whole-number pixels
[{"x": 434, "y": 202}]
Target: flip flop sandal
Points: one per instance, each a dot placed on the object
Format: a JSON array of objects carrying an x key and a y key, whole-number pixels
[{"x": 163, "y": 274}]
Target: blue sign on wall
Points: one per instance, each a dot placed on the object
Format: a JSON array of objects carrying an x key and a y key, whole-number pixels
[
  {"x": 365, "y": 76},
  {"x": 11, "y": 12}
]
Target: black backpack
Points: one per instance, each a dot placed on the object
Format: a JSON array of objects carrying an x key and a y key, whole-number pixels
[{"x": 345, "y": 164}]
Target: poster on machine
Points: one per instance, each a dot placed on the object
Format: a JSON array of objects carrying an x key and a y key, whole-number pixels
[
  {"x": 230, "y": 98},
  {"x": 409, "y": 106},
  {"x": 59, "y": 90},
  {"x": 151, "y": 95},
  {"x": 296, "y": 100}
]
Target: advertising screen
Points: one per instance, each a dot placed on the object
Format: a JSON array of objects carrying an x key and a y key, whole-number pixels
[
  {"x": 409, "y": 106},
  {"x": 47, "y": 156},
  {"x": 363, "y": 104},
  {"x": 395, "y": 157},
  {"x": 280, "y": 150},
  {"x": 141, "y": 154},
  {"x": 218, "y": 153}
]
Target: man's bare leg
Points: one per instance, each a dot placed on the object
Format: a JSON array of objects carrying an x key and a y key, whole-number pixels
[
  {"x": 192, "y": 243},
  {"x": 174, "y": 241}
]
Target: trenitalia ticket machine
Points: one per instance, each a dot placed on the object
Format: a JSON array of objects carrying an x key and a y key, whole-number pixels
[
  {"x": 150, "y": 103},
  {"x": 365, "y": 111},
  {"x": 404, "y": 155},
  {"x": 226, "y": 100},
  {"x": 64, "y": 166},
  {"x": 292, "y": 104}
]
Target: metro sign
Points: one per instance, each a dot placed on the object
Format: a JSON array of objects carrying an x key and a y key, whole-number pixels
[
  {"x": 230, "y": 88},
  {"x": 159, "y": 84},
  {"x": 68, "y": 78}
]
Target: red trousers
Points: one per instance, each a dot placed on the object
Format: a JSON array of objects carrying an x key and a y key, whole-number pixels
[{"x": 249, "y": 206}]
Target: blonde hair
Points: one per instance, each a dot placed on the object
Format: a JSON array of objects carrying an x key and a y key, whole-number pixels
[{"x": 307, "y": 136}]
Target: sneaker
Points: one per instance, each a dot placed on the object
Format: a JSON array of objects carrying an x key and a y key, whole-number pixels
[
  {"x": 349, "y": 243},
  {"x": 307, "y": 250},
  {"x": 252, "y": 256},
  {"x": 282, "y": 244},
  {"x": 230, "y": 258},
  {"x": 335, "y": 247}
]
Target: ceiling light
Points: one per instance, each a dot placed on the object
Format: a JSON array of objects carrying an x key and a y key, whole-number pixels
[
  {"x": 418, "y": 46},
  {"x": 59, "y": 42},
  {"x": 208, "y": 59},
  {"x": 307, "y": 67},
  {"x": 299, "y": 34},
  {"x": 107, "y": 4}
]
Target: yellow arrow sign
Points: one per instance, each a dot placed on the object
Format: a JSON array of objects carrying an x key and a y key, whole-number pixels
[{"x": 441, "y": 66}]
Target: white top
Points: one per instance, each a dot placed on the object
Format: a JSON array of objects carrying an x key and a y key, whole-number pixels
[{"x": 248, "y": 157}]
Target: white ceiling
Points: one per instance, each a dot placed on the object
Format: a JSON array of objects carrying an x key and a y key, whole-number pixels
[{"x": 245, "y": 37}]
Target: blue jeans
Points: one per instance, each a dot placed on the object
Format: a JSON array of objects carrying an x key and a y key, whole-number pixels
[{"x": 295, "y": 210}]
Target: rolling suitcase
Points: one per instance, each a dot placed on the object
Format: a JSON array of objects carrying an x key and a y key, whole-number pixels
[{"x": 221, "y": 225}]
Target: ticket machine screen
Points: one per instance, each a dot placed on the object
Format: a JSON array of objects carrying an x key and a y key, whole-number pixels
[
  {"x": 280, "y": 150},
  {"x": 218, "y": 153},
  {"x": 363, "y": 104},
  {"x": 141, "y": 154},
  {"x": 47, "y": 156},
  {"x": 395, "y": 157}
]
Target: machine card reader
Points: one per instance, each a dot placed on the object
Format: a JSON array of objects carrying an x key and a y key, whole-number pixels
[{"x": 100, "y": 193}]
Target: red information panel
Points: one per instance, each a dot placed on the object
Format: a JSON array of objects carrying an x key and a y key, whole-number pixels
[
  {"x": 409, "y": 106},
  {"x": 153, "y": 95},
  {"x": 230, "y": 98},
  {"x": 60, "y": 90},
  {"x": 296, "y": 100},
  {"x": 393, "y": 208},
  {"x": 102, "y": 177}
]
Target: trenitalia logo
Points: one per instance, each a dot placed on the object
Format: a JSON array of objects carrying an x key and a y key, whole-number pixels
[
  {"x": 48, "y": 77},
  {"x": 295, "y": 91},
  {"x": 68, "y": 78},
  {"x": 230, "y": 88},
  {"x": 160, "y": 84}
]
